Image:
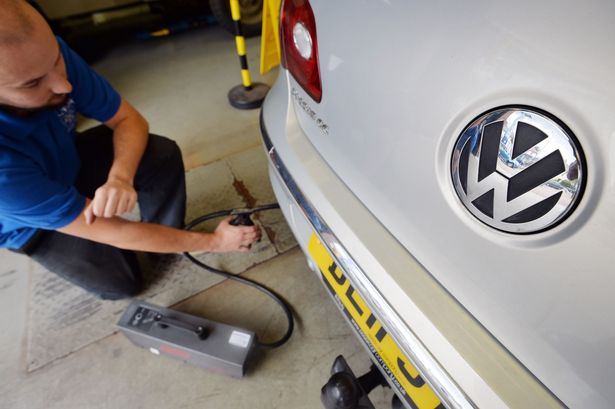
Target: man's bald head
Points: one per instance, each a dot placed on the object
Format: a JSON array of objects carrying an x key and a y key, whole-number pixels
[
  {"x": 17, "y": 21},
  {"x": 32, "y": 71}
]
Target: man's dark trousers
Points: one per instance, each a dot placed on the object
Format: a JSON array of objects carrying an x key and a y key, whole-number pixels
[{"x": 107, "y": 271}]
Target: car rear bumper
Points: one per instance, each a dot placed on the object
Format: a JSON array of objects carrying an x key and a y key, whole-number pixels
[{"x": 453, "y": 354}]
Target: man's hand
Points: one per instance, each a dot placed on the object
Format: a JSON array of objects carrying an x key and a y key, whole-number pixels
[
  {"x": 116, "y": 197},
  {"x": 234, "y": 238}
]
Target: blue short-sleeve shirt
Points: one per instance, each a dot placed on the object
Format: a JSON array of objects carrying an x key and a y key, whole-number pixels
[{"x": 38, "y": 158}]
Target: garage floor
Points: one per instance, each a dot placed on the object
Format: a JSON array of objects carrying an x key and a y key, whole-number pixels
[{"x": 180, "y": 85}]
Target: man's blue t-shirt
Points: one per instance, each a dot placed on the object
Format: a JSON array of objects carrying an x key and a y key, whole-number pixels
[{"x": 38, "y": 158}]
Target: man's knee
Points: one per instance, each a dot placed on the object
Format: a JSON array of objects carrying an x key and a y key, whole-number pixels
[{"x": 162, "y": 151}]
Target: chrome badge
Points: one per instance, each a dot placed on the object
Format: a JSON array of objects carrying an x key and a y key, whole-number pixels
[{"x": 517, "y": 170}]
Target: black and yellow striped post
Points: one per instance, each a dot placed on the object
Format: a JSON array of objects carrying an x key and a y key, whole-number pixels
[{"x": 247, "y": 95}]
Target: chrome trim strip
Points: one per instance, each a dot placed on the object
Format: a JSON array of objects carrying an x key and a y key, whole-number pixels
[{"x": 447, "y": 390}]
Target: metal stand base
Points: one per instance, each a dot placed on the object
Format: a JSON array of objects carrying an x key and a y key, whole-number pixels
[{"x": 248, "y": 98}]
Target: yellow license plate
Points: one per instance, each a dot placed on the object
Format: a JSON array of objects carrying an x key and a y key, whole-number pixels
[{"x": 389, "y": 356}]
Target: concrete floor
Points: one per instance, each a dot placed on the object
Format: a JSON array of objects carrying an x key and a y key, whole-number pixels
[{"x": 180, "y": 85}]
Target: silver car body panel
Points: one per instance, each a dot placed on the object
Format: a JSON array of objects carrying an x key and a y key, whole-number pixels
[
  {"x": 438, "y": 378},
  {"x": 401, "y": 80}
]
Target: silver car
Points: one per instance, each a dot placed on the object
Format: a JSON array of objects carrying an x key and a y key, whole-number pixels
[{"x": 447, "y": 167}]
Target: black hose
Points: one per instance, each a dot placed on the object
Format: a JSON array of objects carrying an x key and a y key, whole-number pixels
[{"x": 276, "y": 297}]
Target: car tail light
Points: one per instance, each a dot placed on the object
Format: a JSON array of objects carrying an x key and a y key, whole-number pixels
[{"x": 300, "y": 47}]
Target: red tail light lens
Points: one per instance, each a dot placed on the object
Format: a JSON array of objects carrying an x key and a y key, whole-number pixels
[{"x": 300, "y": 47}]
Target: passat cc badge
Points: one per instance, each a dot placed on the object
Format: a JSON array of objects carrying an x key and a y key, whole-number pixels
[{"x": 518, "y": 170}]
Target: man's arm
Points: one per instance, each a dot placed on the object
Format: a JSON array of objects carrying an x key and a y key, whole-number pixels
[
  {"x": 130, "y": 135},
  {"x": 128, "y": 235}
]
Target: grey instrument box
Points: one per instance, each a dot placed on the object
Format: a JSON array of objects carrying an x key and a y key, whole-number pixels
[{"x": 217, "y": 347}]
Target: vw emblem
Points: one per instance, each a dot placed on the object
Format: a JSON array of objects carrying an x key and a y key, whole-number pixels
[{"x": 518, "y": 170}]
